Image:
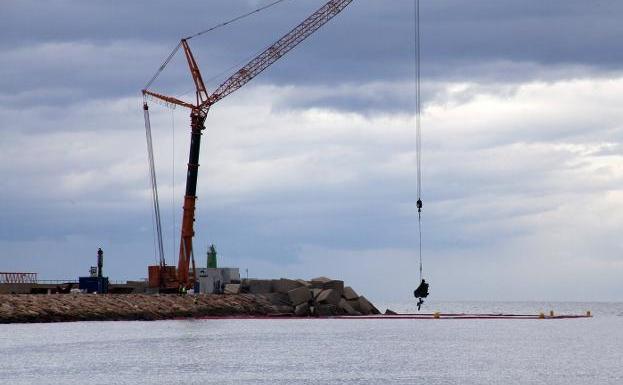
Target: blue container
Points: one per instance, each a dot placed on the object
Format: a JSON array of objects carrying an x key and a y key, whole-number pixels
[{"x": 93, "y": 284}]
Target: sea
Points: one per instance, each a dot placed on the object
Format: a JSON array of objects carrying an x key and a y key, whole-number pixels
[{"x": 326, "y": 351}]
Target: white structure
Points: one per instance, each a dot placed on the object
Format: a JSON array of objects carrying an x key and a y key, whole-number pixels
[{"x": 213, "y": 280}]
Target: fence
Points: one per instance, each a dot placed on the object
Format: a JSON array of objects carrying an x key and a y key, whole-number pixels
[
  {"x": 32, "y": 278},
  {"x": 18, "y": 277}
]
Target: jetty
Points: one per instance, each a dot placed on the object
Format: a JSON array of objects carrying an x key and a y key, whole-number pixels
[{"x": 319, "y": 297}]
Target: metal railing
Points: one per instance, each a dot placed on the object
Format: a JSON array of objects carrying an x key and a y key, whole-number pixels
[
  {"x": 75, "y": 281},
  {"x": 10, "y": 277},
  {"x": 55, "y": 281}
]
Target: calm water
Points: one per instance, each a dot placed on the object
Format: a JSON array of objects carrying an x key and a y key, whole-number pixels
[{"x": 324, "y": 351}]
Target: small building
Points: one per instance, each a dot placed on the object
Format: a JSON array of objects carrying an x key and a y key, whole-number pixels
[
  {"x": 96, "y": 282},
  {"x": 93, "y": 284},
  {"x": 213, "y": 280}
]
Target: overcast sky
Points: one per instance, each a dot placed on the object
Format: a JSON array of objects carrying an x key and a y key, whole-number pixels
[{"x": 310, "y": 169}]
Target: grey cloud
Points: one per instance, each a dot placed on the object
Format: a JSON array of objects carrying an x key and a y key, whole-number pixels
[
  {"x": 111, "y": 48},
  {"x": 313, "y": 164}
]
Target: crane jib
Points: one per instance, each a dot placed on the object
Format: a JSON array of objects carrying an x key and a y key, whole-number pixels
[
  {"x": 200, "y": 110},
  {"x": 282, "y": 46}
]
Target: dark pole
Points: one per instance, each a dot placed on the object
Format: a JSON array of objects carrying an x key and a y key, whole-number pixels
[{"x": 100, "y": 263}]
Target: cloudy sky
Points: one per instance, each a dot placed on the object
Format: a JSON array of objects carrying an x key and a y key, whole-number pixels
[{"x": 310, "y": 169}]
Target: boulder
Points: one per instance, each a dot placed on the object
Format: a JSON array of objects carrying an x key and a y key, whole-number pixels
[
  {"x": 315, "y": 292},
  {"x": 278, "y": 299},
  {"x": 354, "y": 303},
  {"x": 367, "y": 307},
  {"x": 329, "y": 296},
  {"x": 232, "y": 288},
  {"x": 302, "y": 310},
  {"x": 318, "y": 282},
  {"x": 335, "y": 284},
  {"x": 320, "y": 279},
  {"x": 304, "y": 282},
  {"x": 349, "y": 293},
  {"x": 325, "y": 310},
  {"x": 345, "y": 306},
  {"x": 299, "y": 295},
  {"x": 284, "y": 285},
  {"x": 260, "y": 286}
]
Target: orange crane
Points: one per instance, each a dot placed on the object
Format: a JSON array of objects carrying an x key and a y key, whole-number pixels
[{"x": 165, "y": 276}]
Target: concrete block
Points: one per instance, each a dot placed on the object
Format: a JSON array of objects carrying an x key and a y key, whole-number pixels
[
  {"x": 284, "y": 285},
  {"x": 260, "y": 286},
  {"x": 315, "y": 292},
  {"x": 345, "y": 306},
  {"x": 318, "y": 282},
  {"x": 299, "y": 295},
  {"x": 324, "y": 310},
  {"x": 277, "y": 298},
  {"x": 367, "y": 307},
  {"x": 354, "y": 303},
  {"x": 232, "y": 288},
  {"x": 334, "y": 284},
  {"x": 320, "y": 279},
  {"x": 375, "y": 310},
  {"x": 302, "y": 310},
  {"x": 349, "y": 293},
  {"x": 327, "y": 283},
  {"x": 330, "y": 296},
  {"x": 304, "y": 282}
]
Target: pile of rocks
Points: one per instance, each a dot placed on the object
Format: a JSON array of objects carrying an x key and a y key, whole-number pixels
[
  {"x": 318, "y": 297},
  {"x": 111, "y": 307}
]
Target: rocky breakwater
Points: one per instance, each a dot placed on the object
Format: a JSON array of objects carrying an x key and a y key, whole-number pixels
[
  {"x": 22, "y": 308},
  {"x": 317, "y": 297},
  {"x": 251, "y": 298}
]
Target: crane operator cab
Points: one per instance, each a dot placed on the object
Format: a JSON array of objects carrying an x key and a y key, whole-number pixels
[{"x": 420, "y": 293}]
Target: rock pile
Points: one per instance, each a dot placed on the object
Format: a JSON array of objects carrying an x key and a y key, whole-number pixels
[
  {"x": 318, "y": 297},
  {"x": 250, "y": 298},
  {"x": 20, "y": 308}
]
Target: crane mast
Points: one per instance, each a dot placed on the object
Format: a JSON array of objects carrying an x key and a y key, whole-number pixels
[{"x": 204, "y": 100}]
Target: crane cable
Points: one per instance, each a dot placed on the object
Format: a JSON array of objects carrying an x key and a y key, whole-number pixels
[
  {"x": 217, "y": 26},
  {"x": 173, "y": 195},
  {"x": 418, "y": 129},
  {"x": 260, "y": 9},
  {"x": 154, "y": 184}
]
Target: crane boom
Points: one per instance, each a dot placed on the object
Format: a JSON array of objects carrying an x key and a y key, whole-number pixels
[
  {"x": 201, "y": 90},
  {"x": 273, "y": 53},
  {"x": 200, "y": 110},
  {"x": 168, "y": 99}
]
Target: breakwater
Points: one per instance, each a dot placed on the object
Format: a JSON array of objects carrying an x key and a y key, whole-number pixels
[
  {"x": 280, "y": 297},
  {"x": 28, "y": 308}
]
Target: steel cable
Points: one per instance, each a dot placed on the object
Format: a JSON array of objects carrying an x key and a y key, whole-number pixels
[
  {"x": 223, "y": 24},
  {"x": 418, "y": 129}
]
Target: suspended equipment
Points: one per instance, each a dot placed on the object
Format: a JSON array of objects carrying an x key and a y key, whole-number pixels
[{"x": 422, "y": 290}]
